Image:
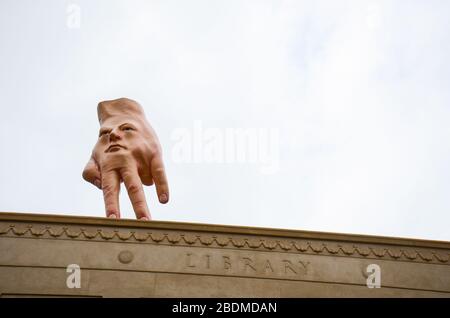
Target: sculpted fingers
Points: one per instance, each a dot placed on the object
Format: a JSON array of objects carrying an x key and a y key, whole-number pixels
[
  {"x": 91, "y": 173},
  {"x": 159, "y": 176},
  {"x": 136, "y": 193},
  {"x": 111, "y": 189},
  {"x": 127, "y": 150}
]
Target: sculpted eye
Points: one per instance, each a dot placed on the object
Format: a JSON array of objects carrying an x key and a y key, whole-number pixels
[
  {"x": 127, "y": 128},
  {"x": 102, "y": 133}
]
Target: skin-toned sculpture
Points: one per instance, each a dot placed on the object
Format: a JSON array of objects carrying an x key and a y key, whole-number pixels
[{"x": 128, "y": 151}]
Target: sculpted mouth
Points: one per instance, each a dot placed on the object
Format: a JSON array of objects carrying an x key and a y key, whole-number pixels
[{"x": 114, "y": 147}]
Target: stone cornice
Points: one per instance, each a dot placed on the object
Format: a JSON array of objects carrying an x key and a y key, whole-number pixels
[{"x": 223, "y": 236}]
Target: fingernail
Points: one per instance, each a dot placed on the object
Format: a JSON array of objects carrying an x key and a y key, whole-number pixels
[
  {"x": 144, "y": 218},
  {"x": 112, "y": 216},
  {"x": 163, "y": 198}
]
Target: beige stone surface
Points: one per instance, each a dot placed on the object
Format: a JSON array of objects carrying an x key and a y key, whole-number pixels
[{"x": 129, "y": 258}]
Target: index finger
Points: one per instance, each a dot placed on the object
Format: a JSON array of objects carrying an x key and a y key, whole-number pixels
[{"x": 111, "y": 189}]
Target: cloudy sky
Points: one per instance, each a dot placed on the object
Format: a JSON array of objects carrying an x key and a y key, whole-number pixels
[{"x": 349, "y": 102}]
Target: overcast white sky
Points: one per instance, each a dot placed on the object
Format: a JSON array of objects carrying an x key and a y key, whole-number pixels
[{"x": 357, "y": 93}]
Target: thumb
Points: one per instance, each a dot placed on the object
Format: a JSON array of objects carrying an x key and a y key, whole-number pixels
[{"x": 91, "y": 173}]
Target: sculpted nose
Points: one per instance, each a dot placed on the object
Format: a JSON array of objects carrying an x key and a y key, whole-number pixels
[{"x": 114, "y": 135}]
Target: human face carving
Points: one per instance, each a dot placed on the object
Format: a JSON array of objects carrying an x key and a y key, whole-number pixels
[{"x": 127, "y": 150}]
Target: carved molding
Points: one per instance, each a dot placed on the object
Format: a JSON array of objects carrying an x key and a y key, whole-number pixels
[{"x": 314, "y": 247}]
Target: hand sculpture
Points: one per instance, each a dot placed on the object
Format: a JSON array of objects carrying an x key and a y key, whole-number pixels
[{"x": 127, "y": 150}]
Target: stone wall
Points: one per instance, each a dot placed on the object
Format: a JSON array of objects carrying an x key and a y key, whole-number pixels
[{"x": 128, "y": 258}]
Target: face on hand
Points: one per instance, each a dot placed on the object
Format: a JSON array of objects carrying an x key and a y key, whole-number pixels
[
  {"x": 128, "y": 151},
  {"x": 122, "y": 139},
  {"x": 116, "y": 135}
]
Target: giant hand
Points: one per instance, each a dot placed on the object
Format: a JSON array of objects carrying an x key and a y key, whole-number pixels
[{"x": 127, "y": 150}]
